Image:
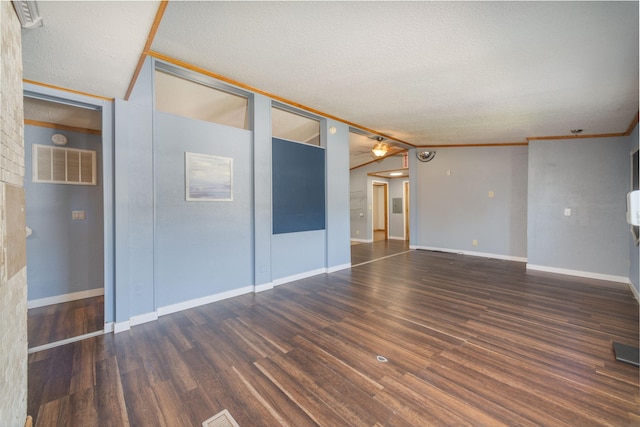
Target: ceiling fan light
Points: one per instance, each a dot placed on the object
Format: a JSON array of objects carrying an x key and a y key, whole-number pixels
[{"x": 380, "y": 149}]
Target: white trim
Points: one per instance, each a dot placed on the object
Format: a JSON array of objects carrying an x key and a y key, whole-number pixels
[
  {"x": 121, "y": 326},
  {"x": 263, "y": 287},
  {"x": 173, "y": 308},
  {"x": 65, "y": 341},
  {"x": 293, "y": 278},
  {"x": 108, "y": 327},
  {"x": 338, "y": 267},
  {"x": 362, "y": 240},
  {"x": 143, "y": 318},
  {"x": 388, "y": 214},
  {"x": 471, "y": 253},
  {"x": 41, "y": 302},
  {"x": 396, "y": 237},
  {"x": 578, "y": 273}
]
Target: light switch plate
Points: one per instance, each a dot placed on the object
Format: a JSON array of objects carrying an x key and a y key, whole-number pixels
[
  {"x": 567, "y": 211},
  {"x": 77, "y": 215}
]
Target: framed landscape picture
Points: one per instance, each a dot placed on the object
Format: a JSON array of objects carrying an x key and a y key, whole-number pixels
[{"x": 208, "y": 178}]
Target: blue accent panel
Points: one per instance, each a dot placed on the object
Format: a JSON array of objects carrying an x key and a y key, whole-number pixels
[
  {"x": 202, "y": 248},
  {"x": 63, "y": 255},
  {"x": 298, "y": 187}
]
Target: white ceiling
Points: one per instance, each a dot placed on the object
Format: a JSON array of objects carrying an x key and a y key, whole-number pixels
[{"x": 428, "y": 73}]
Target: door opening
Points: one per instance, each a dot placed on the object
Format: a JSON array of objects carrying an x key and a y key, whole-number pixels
[
  {"x": 64, "y": 198},
  {"x": 380, "y": 208},
  {"x": 405, "y": 190}
]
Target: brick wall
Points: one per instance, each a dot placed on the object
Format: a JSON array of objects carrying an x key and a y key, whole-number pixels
[{"x": 13, "y": 276}]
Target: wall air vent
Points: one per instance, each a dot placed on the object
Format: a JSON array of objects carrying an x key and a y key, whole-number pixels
[
  {"x": 57, "y": 165},
  {"x": 28, "y": 13}
]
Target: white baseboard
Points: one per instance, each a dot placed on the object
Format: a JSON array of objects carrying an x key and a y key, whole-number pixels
[
  {"x": 471, "y": 253},
  {"x": 173, "y": 308},
  {"x": 578, "y": 273},
  {"x": 263, "y": 287},
  {"x": 121, "y": 326},
  {"x": 143, "y": 318},
  {"x": 57, "y": 299},
  {"x": 362, "y": 240},
  {"x": 299, "y": 276},
  {"x": 338, "y": 267},
  {"x": 108, "y": 327},
  {"x": 396, "y": 238}
]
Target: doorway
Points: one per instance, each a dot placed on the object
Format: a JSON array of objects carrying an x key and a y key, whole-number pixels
[
  {"x": 380, "y": 211},
  {"x": 64, "y": 197},
  {"x": 405, "y": 210}
]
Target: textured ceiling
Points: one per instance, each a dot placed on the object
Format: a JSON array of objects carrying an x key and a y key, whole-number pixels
[
  {"x": 428, "y": 73},
  {"x": 88, "y": 46}
]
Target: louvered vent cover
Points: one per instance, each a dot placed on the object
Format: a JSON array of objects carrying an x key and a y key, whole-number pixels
[{"x": 61, "y": 165}]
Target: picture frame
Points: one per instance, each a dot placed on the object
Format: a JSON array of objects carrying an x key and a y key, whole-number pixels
[{"x": 208, "y": 178}]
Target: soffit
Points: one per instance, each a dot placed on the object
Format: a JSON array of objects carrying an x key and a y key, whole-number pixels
[{"x": 61, "y": 114}]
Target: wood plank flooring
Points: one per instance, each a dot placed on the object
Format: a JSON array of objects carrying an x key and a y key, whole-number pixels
[
  {"x": 366, "y": 252},
  {"x": 57, "y": 322},
  {"x": 469, "y": 342}
]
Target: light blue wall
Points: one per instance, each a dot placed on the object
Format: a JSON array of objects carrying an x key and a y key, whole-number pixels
[
  {"x": 591, "y": 177},
  {"x": 634, "y": 254},
  {"x": 169, "y": 251},
  {"x": 262, "y": 189},
  {"x": 63, "y": 255},
  {"x": 297, "y": 253},
  {"x": 134, "y": 181},
  {"x": 337, "y": 187},
  {"x": 202, "y": 248},
  {"x": 451, "y": 197}
]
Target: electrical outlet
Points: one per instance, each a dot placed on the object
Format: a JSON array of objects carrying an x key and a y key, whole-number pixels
[
  {"x": 491, "y": 194},
  {"x": 77, "y": 215},
  {"x": 474, "y": 242},
  {"x": 567, "y": 211},
  {"x": 357, "y": 232}
]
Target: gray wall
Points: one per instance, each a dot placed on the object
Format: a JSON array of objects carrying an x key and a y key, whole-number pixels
[
  {"x": 453, "y": 207},
  {"x": 634, "y": 254},
  {"x": 64, "y": 255},
  {"x": 591, "y": 177}
]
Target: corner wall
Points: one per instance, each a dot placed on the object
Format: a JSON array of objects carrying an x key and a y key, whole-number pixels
[
  {"x": 468, "y": 194},
  {"x": 13, "y": 276},
  {"x": 591, "y": 178}
]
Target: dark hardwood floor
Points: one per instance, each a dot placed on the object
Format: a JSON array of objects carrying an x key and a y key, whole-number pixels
[
  {"x": 469, "y": 342},
  {"x": 366, "y": 252},
  {"x": 57, "y": 322}
]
